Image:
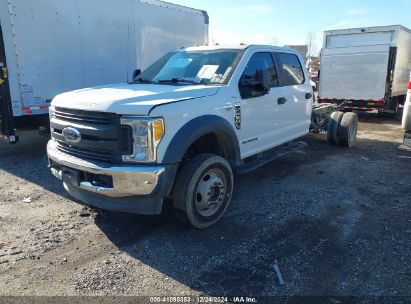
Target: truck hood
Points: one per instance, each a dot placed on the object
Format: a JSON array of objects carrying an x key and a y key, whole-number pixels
[{"x": 135, "y": 99}]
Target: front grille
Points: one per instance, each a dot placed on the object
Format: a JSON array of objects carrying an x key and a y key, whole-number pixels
[
  {"x": 103, "y": 138},
  {"x": 88, "y": 154},
  {"x": 80, "y": 116}
]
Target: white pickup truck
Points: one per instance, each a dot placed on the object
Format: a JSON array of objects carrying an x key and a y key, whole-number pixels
[{"x": 184, "y": 126}]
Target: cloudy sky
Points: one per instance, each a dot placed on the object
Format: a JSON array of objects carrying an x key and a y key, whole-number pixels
[{"x": 282, "y": 22}]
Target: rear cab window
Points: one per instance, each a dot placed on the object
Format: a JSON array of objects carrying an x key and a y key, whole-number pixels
[{"x": 291, "y": 69}]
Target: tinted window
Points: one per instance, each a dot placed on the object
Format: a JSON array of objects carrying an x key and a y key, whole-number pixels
[
  {"x": 261, "y": 61},
  {"x": 292, "y": 70}
]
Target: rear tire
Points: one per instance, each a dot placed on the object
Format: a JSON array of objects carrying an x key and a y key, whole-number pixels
[
  {"x": 203, "y": 190},
  {"x": 333, "y": 123},
  {"x": 347, "y": 131}
]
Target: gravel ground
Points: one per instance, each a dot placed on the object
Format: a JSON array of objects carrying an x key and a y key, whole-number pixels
[{"x": 337, "y": 221}]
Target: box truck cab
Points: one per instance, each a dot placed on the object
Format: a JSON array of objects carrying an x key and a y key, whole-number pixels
[{"x": 180, "y": 129}]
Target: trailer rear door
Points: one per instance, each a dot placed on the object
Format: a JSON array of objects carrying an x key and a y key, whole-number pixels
[
  {"x": 354, "y": 73},
  {"x": 6, "y": 112}
]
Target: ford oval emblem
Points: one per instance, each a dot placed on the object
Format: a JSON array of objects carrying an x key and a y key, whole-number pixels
[{"x": 71, "y": 135}]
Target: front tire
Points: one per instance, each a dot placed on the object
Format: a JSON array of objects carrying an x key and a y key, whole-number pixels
[{"x": 203, "y": 190}]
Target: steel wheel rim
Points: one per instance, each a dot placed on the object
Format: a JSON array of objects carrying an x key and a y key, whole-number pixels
[{"x": 211, "y": 192}]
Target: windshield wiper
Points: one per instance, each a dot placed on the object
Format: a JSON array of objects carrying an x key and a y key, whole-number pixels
[
  {"x": 143, "y": 80},
  {"x": 177, "y": 80}
]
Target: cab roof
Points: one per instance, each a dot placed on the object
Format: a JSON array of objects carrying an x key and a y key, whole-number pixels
[{"x": 238, "y": 47}]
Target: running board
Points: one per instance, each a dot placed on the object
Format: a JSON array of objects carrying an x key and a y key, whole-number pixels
[{"x": 270, "y": 156}]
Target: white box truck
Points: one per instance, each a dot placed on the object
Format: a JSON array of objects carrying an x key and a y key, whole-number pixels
[
  {"x": 51, "y": 46},
  {"x": 366, "y": 68}
]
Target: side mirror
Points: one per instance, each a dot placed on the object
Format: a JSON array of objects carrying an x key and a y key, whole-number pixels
[
  {"x": 263, "y": 77},
  {"x": 136, "y": 73},
  {"x": 255, "y": 87}
]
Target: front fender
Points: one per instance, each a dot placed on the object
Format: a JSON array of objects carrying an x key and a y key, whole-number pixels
[{"x": 197, "y": 128}]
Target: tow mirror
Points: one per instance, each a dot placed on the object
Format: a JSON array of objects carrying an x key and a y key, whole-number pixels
[
  {"x": 136, "y": 73},
  {"x": 263, "y": 78}
]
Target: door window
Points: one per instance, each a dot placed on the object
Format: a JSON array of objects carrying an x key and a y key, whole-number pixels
[
  {"x": 291, "y": 68},
  {"x": 261, "y": 61},
  {"x": 258, "y": 62}
]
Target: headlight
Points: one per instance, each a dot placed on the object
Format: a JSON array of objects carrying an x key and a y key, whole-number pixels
[{"x": 146, "y": 135}]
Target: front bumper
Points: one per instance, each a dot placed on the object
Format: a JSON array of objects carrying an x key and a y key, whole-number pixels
[{"x": 137, "y": 189}]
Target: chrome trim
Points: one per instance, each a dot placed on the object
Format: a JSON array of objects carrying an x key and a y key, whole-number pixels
[
  {"x": 57, "y": 173},
  {"x": 71, "y": 135},
  {"x": 88, "y": 186},
  {"x": 127, "y": 180}
]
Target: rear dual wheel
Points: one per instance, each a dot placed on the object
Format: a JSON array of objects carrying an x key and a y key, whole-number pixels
[
  {"x": 347, "y": 130},
  {"x": 342, "y": 129},
  {"x": 333, "y": 124}
]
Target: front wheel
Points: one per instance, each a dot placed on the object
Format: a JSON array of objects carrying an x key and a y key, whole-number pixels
[{"x": 203, "y": 190}]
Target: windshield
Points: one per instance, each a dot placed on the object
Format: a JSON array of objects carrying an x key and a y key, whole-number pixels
[{"x": 192, "y": 67}]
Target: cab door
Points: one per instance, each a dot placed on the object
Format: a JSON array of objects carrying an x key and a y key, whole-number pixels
[
  {"x": 261, "y": 123},
  {"x": 295, "y": 103},
  {"x": 6, "y": 112}
]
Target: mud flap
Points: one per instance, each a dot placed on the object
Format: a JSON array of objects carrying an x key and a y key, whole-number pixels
[
  {"x": 6, "y": 111},
  {"x": 390, "y": 102}
]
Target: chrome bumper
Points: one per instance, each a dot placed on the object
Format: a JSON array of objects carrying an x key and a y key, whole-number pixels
[{"x": 127, "y": 180}]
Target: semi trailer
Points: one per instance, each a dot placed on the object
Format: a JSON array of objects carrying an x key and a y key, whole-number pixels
[{"x": 51, "y": 46}]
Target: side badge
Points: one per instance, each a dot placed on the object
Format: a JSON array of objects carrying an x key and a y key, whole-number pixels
[{"x": 237, "y": 116}]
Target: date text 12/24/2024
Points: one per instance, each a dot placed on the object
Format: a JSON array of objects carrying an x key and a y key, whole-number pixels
[{"x": 202, "y": 299}]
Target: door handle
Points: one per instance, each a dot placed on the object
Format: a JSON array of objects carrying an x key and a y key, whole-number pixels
[
  {"x": 281, "y": 100},
  {"x": 308, "y": 95}
]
